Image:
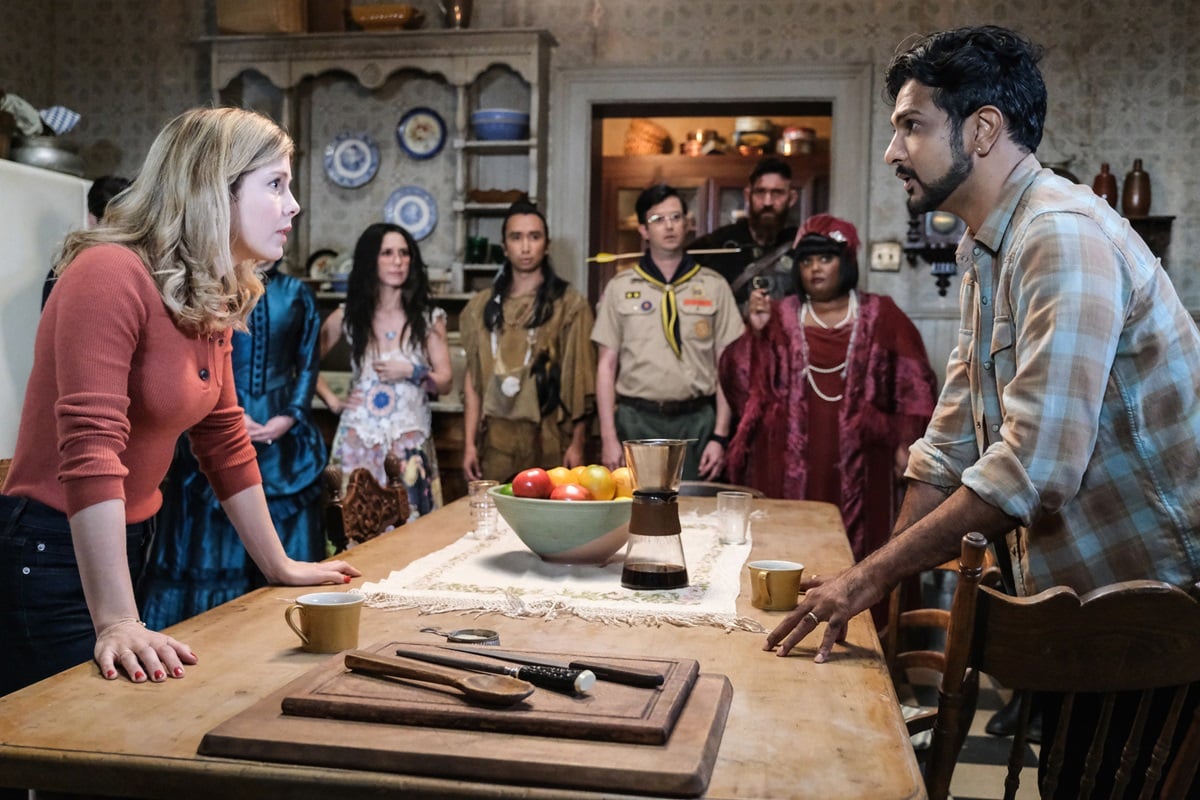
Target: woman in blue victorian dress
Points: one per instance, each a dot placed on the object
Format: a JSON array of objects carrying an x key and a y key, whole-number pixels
[{"x": 197, "y": 561}]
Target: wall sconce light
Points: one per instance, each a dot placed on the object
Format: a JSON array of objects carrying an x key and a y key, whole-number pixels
[{"x": 933, "y": 236}]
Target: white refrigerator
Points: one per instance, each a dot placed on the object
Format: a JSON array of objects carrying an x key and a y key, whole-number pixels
[{"x": 38, "y": 208}]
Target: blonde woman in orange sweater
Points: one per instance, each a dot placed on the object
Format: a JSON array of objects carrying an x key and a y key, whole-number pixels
[{"x": 132, "y": 350}]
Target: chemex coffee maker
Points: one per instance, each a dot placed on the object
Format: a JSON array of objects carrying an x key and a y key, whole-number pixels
[{"x": 654, "y": 555}]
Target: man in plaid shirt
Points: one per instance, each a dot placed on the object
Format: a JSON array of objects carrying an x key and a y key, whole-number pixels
[
  {"x": 1069, "y": 424},
  {"x": 1068, "y": 430}
]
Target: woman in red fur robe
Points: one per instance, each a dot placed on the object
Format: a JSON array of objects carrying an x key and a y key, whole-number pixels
[{"x": 830, "y": 386}]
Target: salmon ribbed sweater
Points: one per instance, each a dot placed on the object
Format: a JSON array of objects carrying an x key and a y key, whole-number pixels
[{"x": 114, "y": 384}]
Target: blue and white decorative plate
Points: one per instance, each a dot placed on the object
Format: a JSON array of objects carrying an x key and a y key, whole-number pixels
[
  {"x": 413, "y": 209},
  {"x": 351, "y": 159},
  {"x": 421, "y": 133}
]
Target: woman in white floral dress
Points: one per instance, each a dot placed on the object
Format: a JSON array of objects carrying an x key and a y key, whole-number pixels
[{"x": 399, "y": 357}]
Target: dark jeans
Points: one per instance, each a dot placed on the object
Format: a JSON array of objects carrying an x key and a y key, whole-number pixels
[{"x": 44, "y": 620}]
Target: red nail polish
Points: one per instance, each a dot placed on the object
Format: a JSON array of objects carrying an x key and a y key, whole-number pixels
[
  {"x": 139, "y": 675},
  {"x": 112, "y": 673},
  {"x": 179, "y": 672},
  {"x": 159, "y": 674},
  {"x": 346, "y": 579}
]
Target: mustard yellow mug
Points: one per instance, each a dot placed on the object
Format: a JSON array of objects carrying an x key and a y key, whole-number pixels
[
  {"x": 328, "y": 621},
  {"x": 774, "y": 585}
]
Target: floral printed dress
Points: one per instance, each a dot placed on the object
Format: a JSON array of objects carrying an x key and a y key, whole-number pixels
[{"x": 393, "y": 416}]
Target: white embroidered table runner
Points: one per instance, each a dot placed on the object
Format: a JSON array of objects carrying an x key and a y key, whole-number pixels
[{"x": 502, "y": 575}]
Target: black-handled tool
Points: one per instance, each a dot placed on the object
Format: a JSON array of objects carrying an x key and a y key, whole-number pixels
[
  {"x": 630, "y": 677},
  {"x": 571, "y": 681}
]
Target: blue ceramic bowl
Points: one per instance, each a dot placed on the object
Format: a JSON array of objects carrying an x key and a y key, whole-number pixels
[
  {"x": 565, "y": 531},
  {"x": 500, "y": 124}
]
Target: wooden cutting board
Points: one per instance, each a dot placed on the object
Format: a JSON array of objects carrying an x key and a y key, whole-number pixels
[
  {"x": 682, "y": 767},
  {"x": 609, "y": 712}
]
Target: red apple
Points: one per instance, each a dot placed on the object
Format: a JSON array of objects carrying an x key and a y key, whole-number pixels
[
  {"x": 533, "y": 483},
  {"x": 570, "y": 491}
]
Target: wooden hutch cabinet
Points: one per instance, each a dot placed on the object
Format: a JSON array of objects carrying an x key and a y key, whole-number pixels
[{"x": 485, "y": 68}]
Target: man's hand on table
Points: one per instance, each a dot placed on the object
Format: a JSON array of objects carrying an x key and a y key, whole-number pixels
[{"x": 833, "y": 600}]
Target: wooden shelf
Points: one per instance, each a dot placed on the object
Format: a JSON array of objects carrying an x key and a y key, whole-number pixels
[
  {"x": 510, "y": 66},
  {"x": 1156, "y": 232}
]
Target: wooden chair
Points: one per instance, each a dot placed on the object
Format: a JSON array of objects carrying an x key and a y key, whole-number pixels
[
  {"x": 914, "y": 629},
  {"x": 365, "y": 509},
  {"x": 1119, "y": 642},
  {"x": 5, "y": 463}
]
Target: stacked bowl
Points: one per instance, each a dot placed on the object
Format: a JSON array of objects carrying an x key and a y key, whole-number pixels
[{"x": 500, "y": 124}]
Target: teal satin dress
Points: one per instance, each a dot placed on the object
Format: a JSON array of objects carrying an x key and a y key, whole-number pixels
[{"x": 197, "y": 561}]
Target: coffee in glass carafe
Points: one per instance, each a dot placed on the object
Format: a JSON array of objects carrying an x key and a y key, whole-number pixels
[{"x": 654, "y": 554}]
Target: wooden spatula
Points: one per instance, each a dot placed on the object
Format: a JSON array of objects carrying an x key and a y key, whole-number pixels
[{"x": 496, "y": 690}]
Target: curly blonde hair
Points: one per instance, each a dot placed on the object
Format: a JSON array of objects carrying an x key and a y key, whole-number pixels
[{"x": 176, "y": 216}]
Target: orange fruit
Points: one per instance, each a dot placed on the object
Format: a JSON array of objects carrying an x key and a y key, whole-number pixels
[
  {"x": 624, "y": 480},
  {"x": 560, "y": 476},
  {"x": 599, "y": 481}
]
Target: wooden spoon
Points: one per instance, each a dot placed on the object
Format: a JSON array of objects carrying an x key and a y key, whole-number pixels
[{"x": 497, "y": 690}]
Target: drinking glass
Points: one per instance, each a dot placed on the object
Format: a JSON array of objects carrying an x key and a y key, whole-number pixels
[
  {"x": 733, "y": 515},
  {"x": 483, "y": 508}
]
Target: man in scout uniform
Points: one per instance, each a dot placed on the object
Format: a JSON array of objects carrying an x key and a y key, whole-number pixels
[{"x": 660, "y": 329}]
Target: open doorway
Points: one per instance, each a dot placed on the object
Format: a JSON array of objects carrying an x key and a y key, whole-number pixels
[
  {"x": 706, "y": 151},
  {"x": 583, "y": 99}
]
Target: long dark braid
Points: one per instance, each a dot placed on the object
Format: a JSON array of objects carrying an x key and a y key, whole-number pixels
[{"x": 362, "y": 291}]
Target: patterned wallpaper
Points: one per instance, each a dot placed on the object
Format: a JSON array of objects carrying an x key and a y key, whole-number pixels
[{"x": 1123, "y": 78}]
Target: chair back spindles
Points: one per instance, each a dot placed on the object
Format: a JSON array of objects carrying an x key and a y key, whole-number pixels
[
  {"x": 1121, "y": 664},
  {"x": 1187, "y": 760},
  {"x": 954, "y": 713},
  {"x": 1133, "y": 742}
]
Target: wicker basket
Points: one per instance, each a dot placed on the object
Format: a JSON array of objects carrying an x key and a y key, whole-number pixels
[
  {"x": 262, "y": 16},
  {"x": 645, "y": 138}
]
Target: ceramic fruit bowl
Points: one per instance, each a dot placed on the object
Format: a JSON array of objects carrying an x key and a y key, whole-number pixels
[{"x": 566, "y": 531}]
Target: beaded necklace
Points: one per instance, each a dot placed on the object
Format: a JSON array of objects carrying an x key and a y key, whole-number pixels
[{"x": 852, "y": 318}]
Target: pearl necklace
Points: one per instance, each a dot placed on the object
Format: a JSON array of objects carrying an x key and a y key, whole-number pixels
[{"x": 851, "y": 317}]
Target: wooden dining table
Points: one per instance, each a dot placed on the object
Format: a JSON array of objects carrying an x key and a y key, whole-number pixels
[{"x": 794, "y": 729}]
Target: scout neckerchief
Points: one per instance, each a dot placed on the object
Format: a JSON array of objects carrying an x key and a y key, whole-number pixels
[{"x": 649, "y": 271}]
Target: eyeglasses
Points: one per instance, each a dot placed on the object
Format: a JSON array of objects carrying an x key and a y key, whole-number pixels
[{"x": 659, "y": 219}]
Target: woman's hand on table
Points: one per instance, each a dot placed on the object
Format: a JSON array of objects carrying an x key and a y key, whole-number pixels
[
  {"x": 142, "y": 654},
  {"x": 834, "y": 601},
  {"x": 310, "y": 573}
]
